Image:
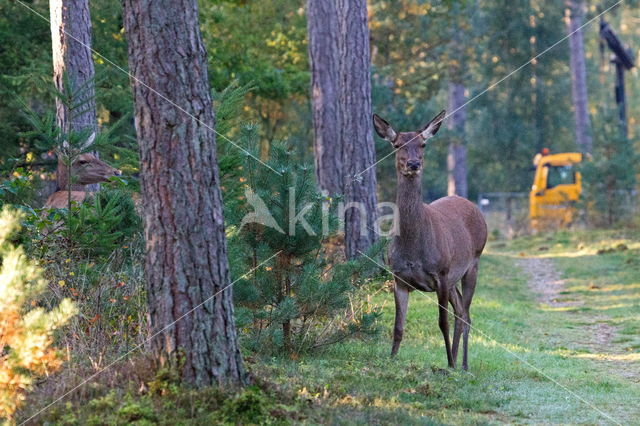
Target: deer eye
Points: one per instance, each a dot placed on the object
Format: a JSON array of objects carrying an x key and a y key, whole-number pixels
[{"x": 423, "y": 144}]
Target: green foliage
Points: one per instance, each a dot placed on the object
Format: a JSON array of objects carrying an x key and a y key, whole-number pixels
[
  {"x": 301, "y": 299},
  {"x": 609, "y": 176},
  {"x": 228, "y": 105},
  {"x": 25, "y": 331},
  {"x": 252, "y": 44},
  {"x": 98, "y": 227},
  {"x": 251, "y": 406},
  {"x": 25, "y": 62},
  {"x": 256, "y": 404},
  {"x": 93, "y": 229},
  {"x": 19, "y": 189}
]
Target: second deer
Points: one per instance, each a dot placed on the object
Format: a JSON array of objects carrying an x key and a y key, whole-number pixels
[{"x": 436, "y": 245}]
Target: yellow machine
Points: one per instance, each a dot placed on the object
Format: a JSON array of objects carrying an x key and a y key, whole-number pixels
[{"x": 556, "y": 188}]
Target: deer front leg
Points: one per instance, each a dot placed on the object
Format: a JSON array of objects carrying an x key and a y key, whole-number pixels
[
  {"x": 455, "y": 298},
  {"x": 468, "y": 288},
  {"x": 443, "y": 301},
  {"x": 401, "y": 295}
]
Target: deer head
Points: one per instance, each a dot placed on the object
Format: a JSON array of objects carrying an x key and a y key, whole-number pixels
[
  {"x": 409, "y": 146},
  {"x": 88, "y": 169},
  {"x": 85, "y": 170}
]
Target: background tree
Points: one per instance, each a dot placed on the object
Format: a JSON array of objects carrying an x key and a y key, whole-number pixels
[
  {"x": 358, "y": 153},
  {"x": 322, "y": 22},
  {"x": 574, "y": 16},
  {"x": 457, "y": 155},
  {"x": 186, "y": 262},
  {"x": 73, "y": 70}
]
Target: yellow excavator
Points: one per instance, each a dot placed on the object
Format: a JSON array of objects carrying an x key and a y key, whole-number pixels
[{"x": 556, "y": 188}]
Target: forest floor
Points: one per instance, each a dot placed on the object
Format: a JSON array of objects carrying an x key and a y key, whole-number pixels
[{"x": 555, "y": 339}]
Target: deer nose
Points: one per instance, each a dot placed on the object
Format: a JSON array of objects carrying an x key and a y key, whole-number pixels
[
  {"x": 413, "y": 165},
  {"x": 117, "y": 172}
]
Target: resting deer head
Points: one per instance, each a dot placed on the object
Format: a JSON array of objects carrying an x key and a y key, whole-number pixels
[
  {"x": 86, "y": 169},
  {"x": 409, "y": 146}
]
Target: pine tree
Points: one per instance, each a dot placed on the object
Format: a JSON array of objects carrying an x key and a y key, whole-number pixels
[{"x": 302, "y": 299}]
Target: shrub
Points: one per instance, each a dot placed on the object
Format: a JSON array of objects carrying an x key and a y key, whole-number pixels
[{"x": 25, "y": 330}]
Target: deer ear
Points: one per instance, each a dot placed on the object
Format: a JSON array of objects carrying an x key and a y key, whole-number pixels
[
  {"x": 384, "y": 129},
  {"x": 89, "y": 141},
  {"x": 434, "y": 125}
]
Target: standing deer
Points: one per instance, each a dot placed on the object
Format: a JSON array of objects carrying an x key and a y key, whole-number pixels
[
  {"x": 436, "y": 245},
  {"x": 85, "y": 170}
]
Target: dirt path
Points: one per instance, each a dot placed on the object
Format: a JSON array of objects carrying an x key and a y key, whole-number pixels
[
  {"x": 546, "y": 282},
  {"x": 597, "y": 336}
]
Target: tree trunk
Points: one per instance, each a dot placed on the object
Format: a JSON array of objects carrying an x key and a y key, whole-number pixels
[
  {"x": 575, "y": 17},
  {"x": 457, "y": 156},
  {"x": 186, "y": 266},
  {"x": 358, "y": 153},
  {"x": 71, "y": 47},
  {"x": 322, "y": 26}
]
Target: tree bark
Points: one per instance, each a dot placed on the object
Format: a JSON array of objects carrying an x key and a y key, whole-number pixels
[
  {"x": 71, "y": 48},
  {"x": 356, "y": 137},
  {"x": 322, "y": 27},
  {"x": 186, "y": 266},
  {"x": 457, "y": 155},
  {"x": 575, "y": 17}
]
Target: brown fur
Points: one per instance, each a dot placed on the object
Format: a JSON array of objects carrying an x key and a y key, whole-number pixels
[
  {"x": 60, "y": 200},
  {"x": 436, "y": 245},
  {"x": 86, "y": 169}
]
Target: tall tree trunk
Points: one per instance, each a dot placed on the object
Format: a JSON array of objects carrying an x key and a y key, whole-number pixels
[
  {"x": 71, "y": 46},
  {"x": 457, "y": 156},
  {"x": 574, "y": 18},
  {"x": 186, "y": 260},
  {"x": 358, "y": 153},
  {"x": 322, "y": 26}
]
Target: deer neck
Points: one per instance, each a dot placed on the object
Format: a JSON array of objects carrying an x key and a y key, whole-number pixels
[
  {"x": 62, "y": 179},
  {"x": 414, "y": 219}
]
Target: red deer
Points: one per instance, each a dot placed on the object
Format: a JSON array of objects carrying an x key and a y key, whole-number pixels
[
  {"x": 436, "y": 245},
  {"x": 85, "y": 170}
]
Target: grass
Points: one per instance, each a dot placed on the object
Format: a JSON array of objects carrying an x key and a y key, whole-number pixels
[{"x": 529, "y": 363}]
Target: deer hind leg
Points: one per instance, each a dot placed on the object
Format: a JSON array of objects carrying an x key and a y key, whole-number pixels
[
  {"x": 456, "y": 302},
  {"x": 443, "y": 302},
  {"x": 401, "y": 295},
  {"x": 468, "y": 288}
]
